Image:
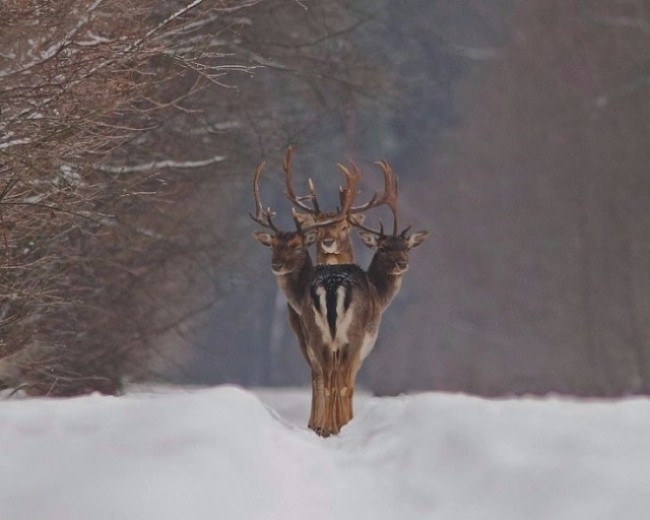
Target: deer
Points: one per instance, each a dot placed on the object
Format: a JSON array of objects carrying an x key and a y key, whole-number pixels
[
  {"x": 333, "y": 244},
  {"x": 290, "y": 260},
  {"x": 291, "y": 264},
  {"x": 335, "y": 310},
  {"x": 342, "y": 311}
]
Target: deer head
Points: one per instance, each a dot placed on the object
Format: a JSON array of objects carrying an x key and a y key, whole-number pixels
[
  {"x": 334, "y": 245},
  {"x": 391, "y": 256},
  {"x": 289, "y": 248}
]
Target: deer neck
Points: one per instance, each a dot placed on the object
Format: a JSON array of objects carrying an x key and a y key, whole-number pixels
[
  {"x": 294, "y": 284},
  {"x": 387, "y": 285}
]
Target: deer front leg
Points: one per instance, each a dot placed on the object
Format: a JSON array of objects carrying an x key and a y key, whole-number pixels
[
  {"x": 347, "y": 389},
  {"x": 318, "y": 401},
  {"x": 338, "y": 391},
  {"x": 342, "y": 388},
  {"x": 327, "y": 423},
  {"x": 330, "y": 423},
  {"x": 337, "y": 419}
]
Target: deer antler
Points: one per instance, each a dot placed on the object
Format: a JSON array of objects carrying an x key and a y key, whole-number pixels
[
  {"x": 347, "y": 194},
  {"x": 291, "y": 193},
  {"x": 388, "y": 198},
  {"x": 262, "y": 217}
]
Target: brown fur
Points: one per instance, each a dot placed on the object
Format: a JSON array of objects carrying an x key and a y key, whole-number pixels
[
  {"x": 290, "y": 257},
  {"x": 334, "y": 244},
  {"x": 334, "y": 371}
]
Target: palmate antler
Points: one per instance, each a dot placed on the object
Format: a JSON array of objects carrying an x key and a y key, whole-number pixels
[
  {"x": 389, "y": 198},
  {"x": 347, "y": 194},
  {"x": 262, "y": 217},
  {"x": 291, "y": 193}
]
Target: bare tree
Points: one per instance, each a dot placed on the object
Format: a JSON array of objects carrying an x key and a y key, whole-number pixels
[{"x": 90, "y": 247}]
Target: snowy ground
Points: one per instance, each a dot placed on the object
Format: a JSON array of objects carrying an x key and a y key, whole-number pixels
[{"x": 226, "y": 453}]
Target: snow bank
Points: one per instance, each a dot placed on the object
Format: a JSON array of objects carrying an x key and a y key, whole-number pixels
[{"x": 225, "y": 453}]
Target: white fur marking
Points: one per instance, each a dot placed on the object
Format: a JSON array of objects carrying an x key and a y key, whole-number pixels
[
  {"x": 330, "y": 250},
  {"x": 343, "y": 319},
  {"x": 321, "y": 317},
  {"x": 287, "y": 289},
  {"x": 368, "y": 344}
]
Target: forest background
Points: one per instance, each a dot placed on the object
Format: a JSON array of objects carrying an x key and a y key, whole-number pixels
[{"x": 129, "y": 132}]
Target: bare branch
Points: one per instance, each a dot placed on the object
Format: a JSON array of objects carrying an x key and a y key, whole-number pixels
[{"x": 159, "y": 165}]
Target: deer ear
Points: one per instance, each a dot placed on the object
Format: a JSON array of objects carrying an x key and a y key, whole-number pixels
[
  {"x": 263, "y": 238},
  {"x": 417, "y": 238},
  {"x": 303, "y": 219},
  {"x": 310, "y": 237},
  {"x": 369, "y": 239}
]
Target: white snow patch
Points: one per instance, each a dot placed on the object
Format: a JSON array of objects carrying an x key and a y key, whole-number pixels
[{"x": 227, "y": 453}]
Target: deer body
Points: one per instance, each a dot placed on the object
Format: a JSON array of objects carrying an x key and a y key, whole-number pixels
[
  {"x": 293, "y": 268},
  {"x": 331, "y": 312},
  {"x": 335, "y": 307},
  {"x": 341, "y": 317},
  {"x": 335, "y": 303}
]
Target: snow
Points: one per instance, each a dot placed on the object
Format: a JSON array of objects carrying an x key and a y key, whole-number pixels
[{"x": 228, "y": 453}]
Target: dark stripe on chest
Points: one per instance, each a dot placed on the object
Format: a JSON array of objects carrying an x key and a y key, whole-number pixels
[{"x": 330, "y": 278}]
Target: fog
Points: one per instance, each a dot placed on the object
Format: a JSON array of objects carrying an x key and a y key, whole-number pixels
[{"x": 519, "y": 133}]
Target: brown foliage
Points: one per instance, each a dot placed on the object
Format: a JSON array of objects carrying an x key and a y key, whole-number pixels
[{"x": 93, "y": 232}]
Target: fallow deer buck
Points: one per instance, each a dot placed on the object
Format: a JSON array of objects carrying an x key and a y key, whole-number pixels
[
  {"x": 335, "y": 310},
  {"x": 333, "y": 245},
  {"x": 291, "y": 264},
  {"x": 341, "y": 316},
  {"x": 290, "y": 260}
]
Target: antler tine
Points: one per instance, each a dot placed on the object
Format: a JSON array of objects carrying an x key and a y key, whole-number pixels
[
  {"x": 291, "y": 194},
  {"x": 303, "y": 228},
  {"x": 405, "y": 231},
  {"x": 388, "y": 198},
  {"x": 347, "y": 194},
  {"x": 261, "y": 217},
  {"x": 312, "y": 196},
  {"x": 390, "y": 191},
  {"x": 392, "y": 199},
  {"x": 379, "y": 233}
]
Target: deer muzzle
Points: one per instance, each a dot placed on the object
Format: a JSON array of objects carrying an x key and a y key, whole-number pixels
[
  {"x": 329, "y": 245},
  {"x": 278, "y": 267},
  {"x": 401, "y": 266}
]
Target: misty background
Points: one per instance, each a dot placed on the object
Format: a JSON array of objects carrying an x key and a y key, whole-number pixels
[
  {"x": 520, "y": 134},
  {"x": 129, "y": 134}
]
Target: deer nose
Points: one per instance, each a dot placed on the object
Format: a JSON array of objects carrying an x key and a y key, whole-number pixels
[
  {"x": 276, "y": 266},
  {"x": 403, "y": 264},
  {"x": 327, "y": 242}
]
